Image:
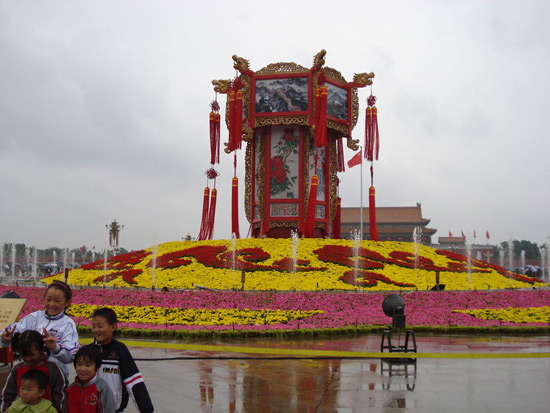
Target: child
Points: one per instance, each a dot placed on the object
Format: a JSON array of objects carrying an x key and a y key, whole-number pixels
[
  {"x": 119, "y": 369},
  {"x": 33, "y": 386},
  {"x": 34, "y": 354},
  {"x": 58, "y": 328},
  {"x": 89, "y": 393}
]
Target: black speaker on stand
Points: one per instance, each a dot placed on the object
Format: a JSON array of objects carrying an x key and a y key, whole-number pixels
[{"x": 394, "y": 307}]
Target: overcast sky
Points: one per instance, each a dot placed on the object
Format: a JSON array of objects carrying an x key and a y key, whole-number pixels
[{"x": 104, "y": 110}]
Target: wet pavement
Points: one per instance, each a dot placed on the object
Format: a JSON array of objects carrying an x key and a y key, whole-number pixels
[
  {"x": 451, "y": 374},
  {"x": 445, "y": 383}
]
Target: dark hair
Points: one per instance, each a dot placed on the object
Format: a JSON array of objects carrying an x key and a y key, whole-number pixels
[
  {"x": 29, "y": 340},
  {"x": 107, "y": 313},
  {"x": 91, "y": 352},
  {"x": 37, "y": 377},
  {"x": 62, "y": 286}
]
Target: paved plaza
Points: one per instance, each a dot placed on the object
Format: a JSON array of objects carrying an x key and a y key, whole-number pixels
[
  {"x": 458, "y": 376},
  {"x": 451, "y": 374}
]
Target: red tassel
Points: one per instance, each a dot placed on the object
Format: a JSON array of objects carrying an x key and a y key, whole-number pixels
[
  {"x": 218, "y": 135},
  {"x": 311, "y": 207},
  {"x": 375, "y": 133},
  {"x": 317, "y": 102},
  {"x": 372, "y": 215},
  {"x": 205, "y": 206},
  {"x": 211, "y": 214},
  {"x": 372, "y": 137},
  {"x": 235, "y": 119},
  {"x": 321, "y": 124},
  {"x": 340, "y": 155},
  {"x": 214, "y": 138},
  {"x": 368, "y": 144},
  {"x": 337, "y": 223},
  {"x": 231, "y": 125},
  {"x": 235, "y": 207},
  {"x": 237, "y": 134}
]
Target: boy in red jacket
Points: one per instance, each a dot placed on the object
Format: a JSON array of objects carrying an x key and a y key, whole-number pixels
[{"x": 89, "y": 393}]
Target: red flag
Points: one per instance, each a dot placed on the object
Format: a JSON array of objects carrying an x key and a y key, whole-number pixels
[
  {"x": 450, "y": 234},
  {"x": 487, "y": 234},
  {"x": 474, "y": 233},
  {"x": 462, "y": 233},
  {"x": 356, "y": 160}
]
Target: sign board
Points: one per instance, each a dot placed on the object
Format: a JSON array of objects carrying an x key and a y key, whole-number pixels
[{"x": 9, "y": 310}]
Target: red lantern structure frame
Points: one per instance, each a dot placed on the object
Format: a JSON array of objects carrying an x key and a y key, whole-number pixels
[{"x": 297, "y": 112}]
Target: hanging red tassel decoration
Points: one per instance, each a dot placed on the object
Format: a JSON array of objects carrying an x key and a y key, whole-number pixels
[
  {"x": 211, "y": 214},
  {"x": 311, "y": 207},
  {"x": 218, "y": 134},
  {"x": 208, "y": 208},
  {"x": 372, "y": 215},
  {"x": 321, "y": 124},
  {"x": 204, "y": 220},
  {"x": 340, "y": 155},
  {"x": 238, "y": 132},
  {"x": 372, "y": 137},
  {"x": 337, "y": 223},
  {"x": 235, "y": 124},
  {"x": 316, "y": 103},
  {"x": 235, "y": 207},
  {"x": 214, "y": 133},
  {"x": 368, "y": 143},
  {"x": 231, "y": 123}
]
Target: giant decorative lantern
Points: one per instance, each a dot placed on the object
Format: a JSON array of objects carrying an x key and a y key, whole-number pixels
[{"x": 293, "y": 120}]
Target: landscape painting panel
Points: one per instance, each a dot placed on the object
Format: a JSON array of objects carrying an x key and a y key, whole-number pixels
[
  {"x": 282, "y": 95},
  {"x": 337, "y": 102}
]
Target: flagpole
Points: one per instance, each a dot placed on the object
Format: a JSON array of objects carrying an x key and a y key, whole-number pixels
[{"x": 361, "y": 193}]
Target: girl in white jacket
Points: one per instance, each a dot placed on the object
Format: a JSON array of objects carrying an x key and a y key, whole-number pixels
[{"x": 58, "y": 329}]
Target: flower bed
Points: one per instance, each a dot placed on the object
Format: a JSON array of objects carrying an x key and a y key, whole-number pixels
[
  {"x": 319, "y": 265},
  {"x": 232, "y": 310}
]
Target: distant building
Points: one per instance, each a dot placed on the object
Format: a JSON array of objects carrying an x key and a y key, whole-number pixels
[
  {"x": 393, "y": 223},
  {"x": 458, "y": 245}
]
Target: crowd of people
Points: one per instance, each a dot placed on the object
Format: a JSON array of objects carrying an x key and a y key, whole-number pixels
[{"x": 106, "y": 375}]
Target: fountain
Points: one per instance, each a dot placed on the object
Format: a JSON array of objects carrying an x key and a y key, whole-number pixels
[
  {"x": 522, "y": 260},
  {"x": 469, "y": 261},
  {"x": 542, "y": 252},
  {"x": 27, "y": 260},
  {"x": 294, "y": 254},
  {"x": 2, "y": 260},
  {"x": 54, "y": 260},
  {"x": 13, "y": 257},
  {"x": 511, "y": 255},
  {"x": 34, "y": 270},
  {"x": 73, "y": 260},
  {"x": 510, "y": 260},
  {"x": 417, "y": 239},
  {"x": 547, "y": 267},
  {"x": 105, "y": 257},
  {"x": 65, "y": 256},
  {"x": 154, "y": 266}
]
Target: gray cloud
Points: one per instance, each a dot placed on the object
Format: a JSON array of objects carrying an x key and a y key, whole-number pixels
[{"x": 103, "y": 110}]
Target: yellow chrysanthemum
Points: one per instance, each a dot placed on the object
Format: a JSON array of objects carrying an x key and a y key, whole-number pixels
[{"x": 513, "y": 315}]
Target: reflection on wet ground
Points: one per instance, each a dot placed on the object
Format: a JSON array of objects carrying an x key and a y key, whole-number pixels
[
  {"x": 227, "y": 381},
  {"x": 264, "y": 384}
]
